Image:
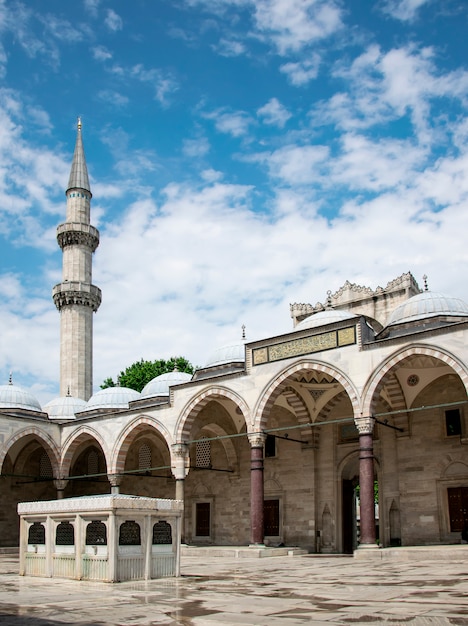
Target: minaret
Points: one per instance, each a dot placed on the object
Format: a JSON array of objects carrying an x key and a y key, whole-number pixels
[{"x": 75, "y": 297}]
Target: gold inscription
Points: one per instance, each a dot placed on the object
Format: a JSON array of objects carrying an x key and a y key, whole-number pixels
[
  {"x": 260, "y": 356},
  {"x": 306, "y": 345},
  {"x": 303, "y": 346},
  {"x": 346, "y": 336}
]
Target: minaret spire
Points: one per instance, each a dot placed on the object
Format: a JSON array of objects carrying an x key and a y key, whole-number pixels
[{"x": 76, "y": 297}]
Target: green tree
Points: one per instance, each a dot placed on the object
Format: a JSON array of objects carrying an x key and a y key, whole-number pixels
[{"x": 137, "y": 375}]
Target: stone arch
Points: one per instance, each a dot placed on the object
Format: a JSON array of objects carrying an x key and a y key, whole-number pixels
[
  {"x": 193, "y": 408},
  {"x": 44, "y": 439},
  {"x": 296, "y": 402},
  {"x": 79, "y": 436},
  {"x": 275, "y": 388},
  {"x": 227, "y": 444},
  {"x": 127, "y": 436},
  {"x": 377, "y": 380}
]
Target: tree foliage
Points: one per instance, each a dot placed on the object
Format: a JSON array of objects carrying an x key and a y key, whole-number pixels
[{"x": 137, "y": 375}]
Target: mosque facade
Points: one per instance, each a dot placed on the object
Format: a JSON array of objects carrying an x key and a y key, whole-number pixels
[{"x": 349, "y": 432}]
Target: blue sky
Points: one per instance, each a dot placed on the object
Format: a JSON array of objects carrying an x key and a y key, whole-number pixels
[{"x": 243, "y": 155}]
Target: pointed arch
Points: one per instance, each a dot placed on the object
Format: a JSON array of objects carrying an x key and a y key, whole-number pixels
[
  {"x": 193, "y": 408},
  {"x": 43, "y": 438},
  {"x": 276, "y": 387},
  {"x": 127, "y": 437},
  {"x": 76, "y": 438},
  {"x": 380, "y": 376}
]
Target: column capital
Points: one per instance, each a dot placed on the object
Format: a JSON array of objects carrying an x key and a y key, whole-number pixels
[
  {"x": 365, "y": 425},
  {"x": 115, "y": 479},
  {"x": 257, "y": 440},
  {"x": 180, "y": 464},
  {"x": 60, "y": 483}
]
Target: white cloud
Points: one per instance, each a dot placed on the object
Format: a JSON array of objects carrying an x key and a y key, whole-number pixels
[
  {"x": 302, "y": 72},
  {"x": 230, "y": 47},
  {"x": 101, "y": 53},
  {"x": 196, "y": 147},
  {"x": 275, "y": 113},
  {"x": 294, "y": 24},
  {"x": 113, "y": 21},
  {"x": 234, "y": 123},
  {"x": 404, "y": 10}
]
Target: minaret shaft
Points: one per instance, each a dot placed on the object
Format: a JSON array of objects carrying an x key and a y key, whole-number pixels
[{"x": 76, "y": 297}]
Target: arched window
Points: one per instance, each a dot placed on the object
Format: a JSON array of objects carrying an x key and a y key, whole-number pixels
[
  {"x": 144, "y": 457},
  {"x": 162, "y": 533},
  {"x": 45, "y": 467},
  {"x": 65, "y": 534},
  {"x": 96, "y": 533},
  {"x": 203, "y": 453},
  {"x": 129, "y": 534},
  {"x": 93, "y": 462},
  {"x": 36, "y": 534}
]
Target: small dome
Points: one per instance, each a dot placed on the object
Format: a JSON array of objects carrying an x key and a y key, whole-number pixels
[
  {"x": 427, "y": 304},
  {"x": 15, "y": 397},
  {"x": 64, "y": 408},
  {"x": 329, "y": 316},
  {"x": 112, "y": 398},
  {"x": 231, "y": 353},
  {"x": 159, "y": 386}
]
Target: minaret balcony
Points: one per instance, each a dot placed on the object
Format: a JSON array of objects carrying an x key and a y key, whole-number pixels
[
  {"x": 77, "y": 233},
  {"x": 75, "y": 292}
]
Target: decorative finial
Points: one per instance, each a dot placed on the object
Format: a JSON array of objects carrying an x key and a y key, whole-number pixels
[
  {"x": 426, "y": 288},
  {"x": 79, "y": 123},
  {"x": 68, "y": 392},
  {"x": 176, "y": 369},
  {"x": 243, "y": 331},
  {"x": 10, "y": 378},
  {"x": 329, "y": 300}
]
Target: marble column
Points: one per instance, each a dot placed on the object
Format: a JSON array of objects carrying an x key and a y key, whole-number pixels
[
  {"x": 257, "y": 442},
  {"x": 115, "y": 480},
  {"x": 365, "y": 426},
  {"x": 60, "y": 484},
  {"x": 180, "y": 469}
]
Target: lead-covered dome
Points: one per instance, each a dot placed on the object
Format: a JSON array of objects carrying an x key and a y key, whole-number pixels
[
  {"x": 229, "y": 353},
  {"x": 159, "y": 386},
  {"x": 64, "y": 408},
  {"x": 428, "y": 304},
  {"x": 112, "y": 398},
  {"x": 16, "y": 397},
  {"x": 328, "y": 316}
]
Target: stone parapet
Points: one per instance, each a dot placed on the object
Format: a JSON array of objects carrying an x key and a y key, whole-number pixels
[
  {"x": 77, "y": 233},
  {"x": 75, "y": 292}
]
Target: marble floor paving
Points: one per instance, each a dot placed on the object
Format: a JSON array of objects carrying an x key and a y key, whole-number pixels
[{"x": 249, "y": 591}]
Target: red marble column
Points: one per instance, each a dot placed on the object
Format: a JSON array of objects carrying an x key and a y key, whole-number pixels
[
  {"x": 256, "y": 489},
  {"x": 365, "y": 427}
]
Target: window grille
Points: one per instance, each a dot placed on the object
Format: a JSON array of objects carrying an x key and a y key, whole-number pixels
[
  {"x": 96, "y": 533},
  {"x": 203, "y": 453},
  {"x": 144, "y": 457},
  {"x": 45, "y": 467},
  {"x": 162, "y": 533},
  {"x": 93, "y": 462},
  {"x": 65, "y": 534},
  {"x": 129, "y": 534},
  {"x": 36, "y": 534}
]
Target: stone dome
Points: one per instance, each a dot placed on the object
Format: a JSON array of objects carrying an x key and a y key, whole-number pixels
[
  {"x": 112, "y": 398},
  {"x": 230, "y": 353},
  {"x": 427, "y": 304},
  {"x": 328, "y": 316},
  {"x": 159, "y": 386},
  {"x": 64, "y": 408},
  {"x": 15, "y": 397}
]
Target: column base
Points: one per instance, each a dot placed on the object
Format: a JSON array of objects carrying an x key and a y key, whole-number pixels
[
  {"x": 257, "y": 545},
  {"x": 368, "y": 546}
]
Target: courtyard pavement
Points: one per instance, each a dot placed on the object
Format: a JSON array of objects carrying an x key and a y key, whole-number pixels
[{"x": 286, "y": 590}]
